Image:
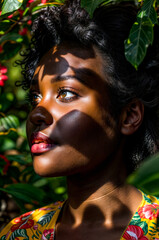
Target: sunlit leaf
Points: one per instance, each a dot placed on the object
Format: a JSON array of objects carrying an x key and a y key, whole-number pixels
[
  {"x": 141, "y": 36},
  {"x": 91, "y": 5},
  {"x": 149, "y": 11},
  {"x": 11, "y": 6}
]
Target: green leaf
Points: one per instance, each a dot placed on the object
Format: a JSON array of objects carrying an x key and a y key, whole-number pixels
[
  {"x": 148, "y": 10},
  {"x": 91, "y": 5},
  {"x": 140, "y": 37},
  {"x": 10, "y": 50},
  {"x": 25, "y": 192},
  {"x": 16, "y": 158},
  {"x": 8, "y": 122},
  {"x": 12, "y": 37},
  {"x": 146, "y": 177},
  {"x": 11, "y": 6}
]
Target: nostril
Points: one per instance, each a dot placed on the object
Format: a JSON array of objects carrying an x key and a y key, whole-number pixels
[{"x": 40, "y": 115}]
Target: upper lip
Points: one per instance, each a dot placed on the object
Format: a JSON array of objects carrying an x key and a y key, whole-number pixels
[{"x": 37, "y": 137}]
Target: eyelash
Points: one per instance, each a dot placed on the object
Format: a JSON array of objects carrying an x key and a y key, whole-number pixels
[
  {"x": 68, "y": 99},
  {"x": 31, "y": 95},
  {"x": 30, "y": 98}
]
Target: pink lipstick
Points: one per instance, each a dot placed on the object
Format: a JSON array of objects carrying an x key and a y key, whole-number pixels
[{"x": 40, "y": 143}]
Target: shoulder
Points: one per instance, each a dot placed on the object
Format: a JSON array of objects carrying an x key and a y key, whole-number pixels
[
  {"x": 33, "y": 224},
  {"x": 145, "y": 222}
]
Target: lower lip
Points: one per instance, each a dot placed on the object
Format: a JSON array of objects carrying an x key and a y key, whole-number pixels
[{"x": 41, "y": 147}]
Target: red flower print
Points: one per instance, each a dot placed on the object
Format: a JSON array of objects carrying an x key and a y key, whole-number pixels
[
  {"x": 48, "y": 234},
  {"x": 134, "y": 233},
  {"x": 23, "y": 222},
  {"x": 150, "y": 211}
]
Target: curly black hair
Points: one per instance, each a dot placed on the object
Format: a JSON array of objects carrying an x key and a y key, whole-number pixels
[{"x": 107, "y": 31}]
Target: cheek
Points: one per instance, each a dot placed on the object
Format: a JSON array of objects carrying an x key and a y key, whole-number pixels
[{"x": 84, "y": 134}]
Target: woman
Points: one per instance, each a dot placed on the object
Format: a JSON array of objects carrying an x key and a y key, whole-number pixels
[{"x": 93, "y": 119}]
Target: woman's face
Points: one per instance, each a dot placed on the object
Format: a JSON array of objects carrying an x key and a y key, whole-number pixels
[{"x": 69, "y": 128}]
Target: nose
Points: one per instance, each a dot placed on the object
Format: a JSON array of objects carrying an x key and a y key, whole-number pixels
[{"x": 40, "y": 115}]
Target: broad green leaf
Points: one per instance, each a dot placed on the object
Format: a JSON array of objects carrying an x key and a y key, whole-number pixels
[
  {"x": 146, "y": 176},
  {"x": 91, "y": 5},
  {"x": 10, "y": 50},
  {"x": 7, "y": 123},
  {"x": 148, "y": 10},
  {"x": 17, "y": 158},
  {"x": 12, "y": 37},
  {"x": 25, "y": 192},
  {"x": 140, "y": 37},
  {"x": 11, "y": 6}
]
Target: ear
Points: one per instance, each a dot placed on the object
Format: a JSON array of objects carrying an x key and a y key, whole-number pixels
[{"x": 131, "y": 117}]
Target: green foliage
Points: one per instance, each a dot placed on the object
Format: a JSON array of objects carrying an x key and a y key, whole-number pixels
[
  {"x": 91, "y": 5},
  {"x": 11, "y": 6},
  {"x": 146, "y": 177},
  {"x": 141, "y": 35}
]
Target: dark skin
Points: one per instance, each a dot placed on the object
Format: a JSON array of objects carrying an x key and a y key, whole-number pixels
[{"x": 71, "y": 106}]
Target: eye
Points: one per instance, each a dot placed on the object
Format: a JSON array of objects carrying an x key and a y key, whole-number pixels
[
  {"x": 66, "y": 95},
  {"x": 33, "y": 98}
]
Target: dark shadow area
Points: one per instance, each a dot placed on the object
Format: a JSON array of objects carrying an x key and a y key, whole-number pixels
[{"x": 100, "y": 227}]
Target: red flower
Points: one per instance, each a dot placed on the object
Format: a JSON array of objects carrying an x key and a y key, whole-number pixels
[
  {"x": 29, "y": 2},
  {"x": 43, "y": 1},
  {"x": 3, "y": 77},
  {"x": 48, "y": 234},
  {"x": 23, "y": 31},
  {"x": 29, "y": 22},
  {"x": 134, "y": 233},
  {"x": 10, "y": 16},
  {"x": 150, "y": 211}
]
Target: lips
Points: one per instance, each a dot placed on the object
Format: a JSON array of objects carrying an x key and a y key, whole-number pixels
[{"x": 40, "y": 143}]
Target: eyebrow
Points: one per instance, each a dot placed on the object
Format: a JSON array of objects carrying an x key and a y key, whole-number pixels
[
  {"x": 67, "y": 77},
  {"x": 83, "y": 75}
]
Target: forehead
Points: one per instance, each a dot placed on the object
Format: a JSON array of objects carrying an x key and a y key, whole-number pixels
[{"x": 70, "y": 59}]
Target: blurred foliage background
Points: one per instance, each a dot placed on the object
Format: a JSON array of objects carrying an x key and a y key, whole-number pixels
[{"x": 18, "y": 182}]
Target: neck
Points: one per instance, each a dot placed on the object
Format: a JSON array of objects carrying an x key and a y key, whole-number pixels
[{"x": 96, "y": 194}]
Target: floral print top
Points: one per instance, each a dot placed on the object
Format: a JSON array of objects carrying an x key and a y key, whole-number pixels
[{"x": 40, "y": 223}]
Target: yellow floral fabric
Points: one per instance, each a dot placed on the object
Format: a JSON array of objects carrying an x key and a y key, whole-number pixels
[
  {"x": 37, "y": 224},
  {"x": 145, "y": 222},
  {"x": 40, "y": 223}
]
